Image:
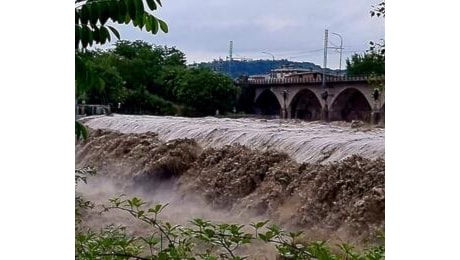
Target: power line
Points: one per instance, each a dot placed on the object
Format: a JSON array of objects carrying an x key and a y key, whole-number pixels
[
  {"x": 301, "y": 52},
  {"x": 356, "y": 51}
]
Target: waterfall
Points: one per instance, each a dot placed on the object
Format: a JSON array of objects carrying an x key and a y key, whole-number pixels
[{"x": 303, "y": 141}]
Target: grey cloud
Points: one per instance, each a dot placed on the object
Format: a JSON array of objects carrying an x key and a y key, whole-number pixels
[{"x": 203, "y": 29}]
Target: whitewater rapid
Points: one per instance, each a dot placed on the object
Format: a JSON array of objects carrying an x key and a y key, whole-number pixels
[{"x": 303, "y": 141}]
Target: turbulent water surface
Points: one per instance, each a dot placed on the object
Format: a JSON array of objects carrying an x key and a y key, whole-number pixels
[
  {"x": 326, "y": 179},
  {"x": 302, "y": 141}
]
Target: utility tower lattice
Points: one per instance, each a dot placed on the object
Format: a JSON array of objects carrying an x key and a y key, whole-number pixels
[{"x": 230, "y": 58}]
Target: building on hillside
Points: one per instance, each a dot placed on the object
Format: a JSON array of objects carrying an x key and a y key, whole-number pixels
[
  {"x": 287, "y": 71},
  {"x": 303, "y": 74},
  {"x": 290, "y": 72},
  {"x": 259, "y": 77}
]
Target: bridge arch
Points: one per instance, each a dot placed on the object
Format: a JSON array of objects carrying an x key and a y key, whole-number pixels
[
  {"x": 305, "y": 105},
  {"x": 267, "y": 104},
  {"x": 382, "y": 113},
  {"x": 350, "y": 104}
]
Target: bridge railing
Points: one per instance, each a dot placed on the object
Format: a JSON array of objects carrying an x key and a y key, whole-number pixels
[
  {"x": 88, "y": 109},
  {"x": 312, "y": 80}
]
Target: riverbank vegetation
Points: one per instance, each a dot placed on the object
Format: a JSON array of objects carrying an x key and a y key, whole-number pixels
[
  {"x": 200, "y": 239},
  {"x": 151, "y": 79}
]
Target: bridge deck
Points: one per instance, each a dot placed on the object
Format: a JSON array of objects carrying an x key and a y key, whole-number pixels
[{"x": 283, "y": 81}]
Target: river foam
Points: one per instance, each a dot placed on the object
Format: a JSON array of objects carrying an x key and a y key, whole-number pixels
[{"x": 303, "y": 141}]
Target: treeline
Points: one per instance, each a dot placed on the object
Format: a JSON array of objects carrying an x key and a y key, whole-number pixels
[
  {"x": 238, "y": 68},
  {"x": 367, "y": 63},
  {"x": 148, "y": 79}
]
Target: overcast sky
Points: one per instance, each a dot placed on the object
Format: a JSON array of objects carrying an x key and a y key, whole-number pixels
[{"x": 289, "y": 29}]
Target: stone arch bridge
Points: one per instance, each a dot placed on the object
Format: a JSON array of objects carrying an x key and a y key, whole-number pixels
[{"x": 344, "y": 98}]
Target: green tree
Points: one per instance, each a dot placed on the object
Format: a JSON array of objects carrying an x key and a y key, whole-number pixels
[
  {"x": 373, "y": 61},
  {"x": 366, "y": 64},
  {"x": 111, "y": 90},
  {"x": 205, "y": 90},
  {"x": 91, "y": 27},
  {"x": 91, "y": 18},
  {"x": 378, "y": 48},
  {"x": 141, "y": 67},
  {"x": 149, "y": 79},
  {"x": 141, "y": 63}
]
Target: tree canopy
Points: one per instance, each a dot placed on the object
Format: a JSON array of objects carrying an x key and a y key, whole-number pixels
[
  {"x": 92, "y": 18},
  {"x": 366, "y": 64},
  {"x": 152, "y": 79}
]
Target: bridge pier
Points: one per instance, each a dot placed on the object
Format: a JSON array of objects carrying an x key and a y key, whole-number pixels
[
  {"x": 377, "y": 114},
  {"x": 325, "y": 113},
  {"x": 286, "y": 113},
  {"x": 377, "y": 117}
]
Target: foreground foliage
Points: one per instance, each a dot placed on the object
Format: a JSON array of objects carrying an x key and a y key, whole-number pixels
[
  {"x": 91, "y": 27},
  {"x": 201, "y": 239}
]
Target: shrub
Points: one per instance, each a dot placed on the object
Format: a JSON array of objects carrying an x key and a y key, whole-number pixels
[{"x": 216, "y": 241}]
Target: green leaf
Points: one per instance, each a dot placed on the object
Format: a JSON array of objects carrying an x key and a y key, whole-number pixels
[
  {"x": 275, "y": 229},
  {"x": 114, "y": 31},
  {"x": 104, "y": 12},
  {"x": 152, "y": 5},
  {"x": 140, "y": 20},
  {"x": 131, "y": 8},
  {"x": 209, "y": 232},
  {"x": 163, "y": 256},
  {"x": 154, "y": 22},
  {"x": 295, "y": 234},
  {"x": 80, "y": 131},
  {"x": 139, "y": 5},
  {"x": 93, "y": 12},
  {"x": 136, "y": 201},
  {"x": 163, "y": 26},
  {"x": 114, "y": 9},
  {"x": 122, "y": 11},
  {"x": 159, "y": 2},
  {"x": 84, "y": 14},
  {"x": 96, "y": 35},
  {"x": 77, "y": 35},
  {"x": 263, "y": 237},
  {"x": 84, "y": 36},
  {"x": 148, "y": 23},
  {"x": 260, "y": 224},
  {"x": 140, "y": 213},
  {"x": 105, "y": 35},
  {"x": 127, "y": 19},
  {"x": 77, "y": 16},
  {"x": 135, "y": 22},
  {"x": 158, "y": 208},
  {"x": 90, "y": 38}
]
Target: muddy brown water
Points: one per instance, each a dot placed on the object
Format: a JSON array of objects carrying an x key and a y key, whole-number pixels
[{"x": 336, "y": 200}]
